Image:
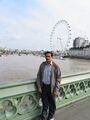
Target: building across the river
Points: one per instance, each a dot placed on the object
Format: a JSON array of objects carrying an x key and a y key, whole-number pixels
[{"x": 80, "y": 49}]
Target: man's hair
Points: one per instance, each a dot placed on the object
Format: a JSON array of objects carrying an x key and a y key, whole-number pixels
[{"x": 50, "y": 52}]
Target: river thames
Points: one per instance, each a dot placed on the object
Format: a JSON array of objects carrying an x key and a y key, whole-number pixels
[{"x": 25, "y": 67}]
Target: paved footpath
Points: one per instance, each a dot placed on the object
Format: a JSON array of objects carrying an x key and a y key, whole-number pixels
[
  {"x": 76, "y": 111},
  {"x": 79, "y": 110}
]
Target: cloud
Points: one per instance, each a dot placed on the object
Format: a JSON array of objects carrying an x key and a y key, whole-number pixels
[{"x": 28, "y": 24}]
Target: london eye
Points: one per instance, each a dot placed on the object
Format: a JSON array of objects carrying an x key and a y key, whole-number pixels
[{"x": 60, "y": 36}]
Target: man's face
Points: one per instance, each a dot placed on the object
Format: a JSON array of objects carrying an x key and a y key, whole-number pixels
[{"x": 48, "y": 57}]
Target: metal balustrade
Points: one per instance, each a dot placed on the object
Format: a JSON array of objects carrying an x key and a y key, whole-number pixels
[{"x": 20, "y": 100}]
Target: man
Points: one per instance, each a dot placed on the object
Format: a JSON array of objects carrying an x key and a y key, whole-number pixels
[{"x": 48, "y": 83}]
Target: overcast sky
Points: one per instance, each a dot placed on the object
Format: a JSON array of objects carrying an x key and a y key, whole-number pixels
[{"x": 27, "y": 24}]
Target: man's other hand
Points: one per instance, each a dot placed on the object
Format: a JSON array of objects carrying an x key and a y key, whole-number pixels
[
  {"x": 55, "y": 93},
  {"x": 39, "y": 90}
]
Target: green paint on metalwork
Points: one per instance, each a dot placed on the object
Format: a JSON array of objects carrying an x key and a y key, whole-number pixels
[{"x": 22, "y": 102}]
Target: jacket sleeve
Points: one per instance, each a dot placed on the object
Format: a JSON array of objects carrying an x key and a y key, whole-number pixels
[
  {"x": 58, "y": 79},
  {"x": 38, "y": 78}
]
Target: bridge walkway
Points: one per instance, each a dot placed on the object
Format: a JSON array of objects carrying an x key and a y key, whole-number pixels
[{"x": 79, "y": 110}]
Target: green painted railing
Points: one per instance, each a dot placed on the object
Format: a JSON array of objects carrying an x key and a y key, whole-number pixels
[{"x": 20, "y": 101}]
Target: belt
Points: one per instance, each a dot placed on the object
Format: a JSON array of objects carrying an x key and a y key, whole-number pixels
[{"x": 46, "y": 85}]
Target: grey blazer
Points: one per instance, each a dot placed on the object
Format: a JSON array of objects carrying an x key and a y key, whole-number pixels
[{"x": 55, "y": 78}]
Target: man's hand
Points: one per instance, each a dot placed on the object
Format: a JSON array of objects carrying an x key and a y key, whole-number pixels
[
  {"x": 55, "y": 94},
  {"x": 39, "y": 90}
]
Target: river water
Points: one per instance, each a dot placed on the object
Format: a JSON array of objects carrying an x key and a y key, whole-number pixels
[{"x": 25, "y": 67}]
